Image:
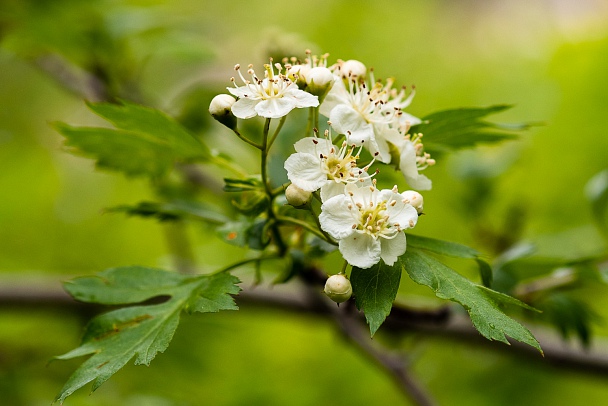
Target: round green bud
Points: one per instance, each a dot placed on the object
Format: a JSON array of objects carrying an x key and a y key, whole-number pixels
[
  {"x": 296, "y": 196},
  {"x": 338, "y": 288},
  {"x": 220, "y": 108}
]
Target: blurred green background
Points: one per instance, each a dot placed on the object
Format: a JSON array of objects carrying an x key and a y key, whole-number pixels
[{"x": 548, "y": 58}]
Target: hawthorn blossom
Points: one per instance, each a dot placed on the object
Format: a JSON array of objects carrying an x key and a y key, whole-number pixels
[
  {"x": 318, "y": 164},
  {"x": 368, "y": 224},
  {"x": 272, "y": 97},
  {"x": 412, "y": 160},
  {"x": 370, "y": 115},
  {"x": 360, "y": 113}
]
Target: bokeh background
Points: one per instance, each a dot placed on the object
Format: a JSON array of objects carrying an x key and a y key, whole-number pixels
[{"x": 548, "y": 58}]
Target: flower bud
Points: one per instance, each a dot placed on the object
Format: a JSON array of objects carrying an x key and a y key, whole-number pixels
[
  {"x": 338, "y": 288},
  {"x": 414, "y": 198},
  {"x": 352, "y": 68},
  {"x": 296, "y": 196},
  {"x": 220, "y": 109},
  {"x": 298, "y": 74},
  {"x": 319, "y": 81}
]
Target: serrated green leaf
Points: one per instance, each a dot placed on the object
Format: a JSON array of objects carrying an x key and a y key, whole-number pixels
[
  {"x": 114, "y": 338},
  {"x": 375, "y": 290},
  {"x": 441, "y": 247},
  {"x": 461, "y": 128},
  {"x": 145, "y": 141},
  {"x": 481, "y": 305},
  {"x": 118, "y": 150},
  {"x": 145, "y": 120}
]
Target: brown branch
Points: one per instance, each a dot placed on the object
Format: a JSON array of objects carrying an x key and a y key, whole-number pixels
[{"x": 46, "y": 292}]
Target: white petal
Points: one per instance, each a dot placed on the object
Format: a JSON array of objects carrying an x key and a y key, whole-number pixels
[
  {"x": 381, "y": 146},
  {"x": 275, "y": 107},
  {"x": 304, "y": 171},
  {"x": 392, "y": 249},
  {"x": 408, "y": 167},
  {"x": 360, "y": 250},
  {"x": 337, "y": 95},
  {"x": 245, "y": 108},
  {"x": 243, "y": 92},
  {"x": 331, "y": 189},
  {"x": 344, "y": 118},
  {"x": 408, "y": 119},
  {"x": 301, "y": 98},
  {"x": 307, "y": 145},
  {"x": 401, "y": 213},
  {"x": 336, "y": 218}
]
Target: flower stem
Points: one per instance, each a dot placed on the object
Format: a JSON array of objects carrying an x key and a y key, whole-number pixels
[
  {"x": 318, "y": 232},
  {"x": 264, "y": 169},
  {"x": 247, "y": 140},
  {"x": 245, "y": 262}
]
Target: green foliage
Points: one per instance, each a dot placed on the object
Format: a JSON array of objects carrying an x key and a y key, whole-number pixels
[
  {"x": 452, "y": 249},
  {"x": 375, "y": 290},
  {"x": 481, "y": 303},
  {"x": 141, "y": 330},
  {"x": 597, "y": 193},
  {"x": 174, "y": 210},
  {"x": 462, "y": 128},
  {"x": 145, "y": 142}
]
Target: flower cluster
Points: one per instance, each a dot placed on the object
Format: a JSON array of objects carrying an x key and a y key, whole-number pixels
[{"x": 371, "y": 126}]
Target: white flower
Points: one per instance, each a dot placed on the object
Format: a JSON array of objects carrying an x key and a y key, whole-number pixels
[
  {"x": 370, "y": 115},
  {"x": 318, "y": 164},
  {"x": 412, "y": 160},
  {"x": 272, "y": 97},
  {"x": 360, "y": 113},
  {"x": 368, "y": 224}
]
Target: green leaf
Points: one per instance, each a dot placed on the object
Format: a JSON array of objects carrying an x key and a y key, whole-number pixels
[
  {"x": 462, "y": 128},
  {"x": 141, "y": 331},
  {"x": 241, "y": 185},
  {"x": 441, "y": 247},
  {"x": 375, "y": 290},
  {"x": 597, "y": 193},
  {"x": 250, "y": 233},
  {"x": 145, "y": 142},
  {"x": 154, "y": 123},
  {"x": 485, "y": 271},
  {"x": 174, "y": 210},
  {"x": 481, "y": 303}
]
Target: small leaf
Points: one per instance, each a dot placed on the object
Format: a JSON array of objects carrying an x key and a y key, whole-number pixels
[
  {"x": 597, "y": 193},
  {"x": 481, "y": 303},
  {"x": 241, "y": 185},
  {"x": 375, "y": 290},
  {"x": 174, "y": 210},
  {"x": 461, "y": 128},
  {"x": 441, "y": 247},
  {"x": 485, "y": 271},
  {"x": 253, "y": 234},
  {"x": 145, "y": 142},
  {"x": 142, "y": 331}
]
